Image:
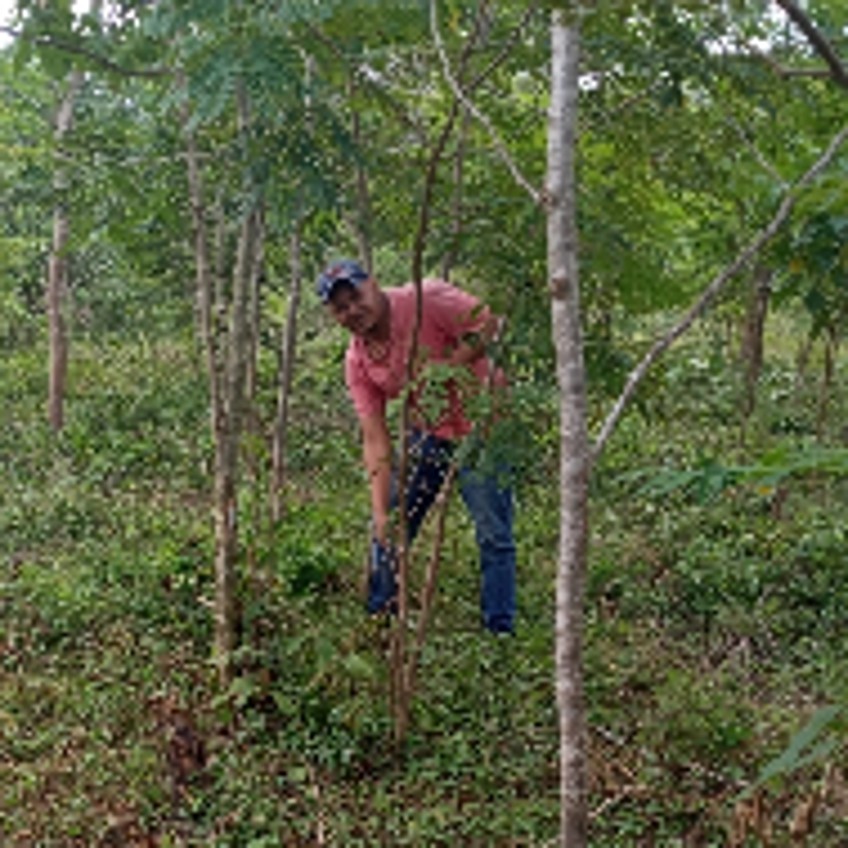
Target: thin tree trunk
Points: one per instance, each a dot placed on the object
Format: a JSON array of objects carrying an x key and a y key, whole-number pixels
[
  {"x": 830, "y": 347},
  {"x": 457, "y": 213},
  {"x": 574, "y": 444},
  {"x": 288, "y": 347},
  {"x": 287, "y": 355},
  {"x": 252, "y": 417},
  {"x": 220, "y": 246},
  {"x": 223, "y": 505},
  {"x": 57, "y": 291},
  {"x": 226, "y": 394},
  {"x": 256, "y": 268},
  {"x": 802, "y": 360},
  {"x": 361, "y": 223},
  {"x": 219, "y": 293},
  {"x": 203, "y": 275},
  {"x": 227, "y": 608},
  {"x": 751, "y": 348},
  {"x": 57, "y": 266}
]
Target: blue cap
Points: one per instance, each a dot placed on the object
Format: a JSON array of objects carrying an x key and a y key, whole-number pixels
[{"x": 340, "y": 271}]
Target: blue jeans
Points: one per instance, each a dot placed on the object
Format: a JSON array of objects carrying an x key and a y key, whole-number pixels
[{"x": 488, "y": 499}]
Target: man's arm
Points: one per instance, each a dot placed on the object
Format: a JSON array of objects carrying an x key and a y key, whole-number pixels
[
  {"x": 468, "y": 323},
  {"x": 471, "y": 346},
  {"x": 377, "y": 457}
]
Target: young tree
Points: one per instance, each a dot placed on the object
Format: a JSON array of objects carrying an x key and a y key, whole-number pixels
[
  {"x": 563, "y": 279},
  {"x": 288, "y": 347},
  {"x": 58, "y": 264}
]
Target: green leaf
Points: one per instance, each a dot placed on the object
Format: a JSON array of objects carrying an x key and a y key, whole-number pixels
[
  {"x": 795, "y": 756},
  {"x": 359, "y": 667}
]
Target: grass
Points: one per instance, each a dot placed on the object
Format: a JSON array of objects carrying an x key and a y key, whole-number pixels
[{"x": 714, "y": 630}]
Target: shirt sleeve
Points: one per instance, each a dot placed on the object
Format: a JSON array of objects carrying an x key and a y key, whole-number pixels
[
  {"x": 456, "y": 312},
  {"x": 367, "y": 398}
]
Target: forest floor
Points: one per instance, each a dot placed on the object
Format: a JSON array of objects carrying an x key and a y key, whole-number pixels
[{"x": 715, "y": 645}]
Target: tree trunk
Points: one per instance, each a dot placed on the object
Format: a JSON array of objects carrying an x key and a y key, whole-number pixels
[
  {"x": 360, "y": 223},
  {"x": 220, "y": 293},
  {"x": 57, "y": 290},
  {"x": 457, "y": 210},
  {"x": 208, "y": 337},
  {"x": 253, "y": 456},
  {"x": 287, "y": 354},
  {"x": 227, "y": 371},
  {"x": 830, "y": 349},
  {"x": 751, "y": 346},
  {"x": 254, "y": 315},
  {"x": 57, "y": 266},
  {"x": 227, "y": 437},
  {"x": 574, "y": 446},
  {"x": 288, "y": 346},
  {"x": 203, "y": 275}
]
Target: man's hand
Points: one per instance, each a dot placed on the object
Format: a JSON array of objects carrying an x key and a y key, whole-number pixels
[
  {"x": 380, "y": 527},
  {"x": 382, "y": 583},
  {"x": 472, "y": 346}
]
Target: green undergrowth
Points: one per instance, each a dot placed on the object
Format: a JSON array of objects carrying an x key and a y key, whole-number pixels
[{"x": 715, "y": 631}]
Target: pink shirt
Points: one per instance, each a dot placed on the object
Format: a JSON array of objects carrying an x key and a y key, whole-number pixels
[{"x": 448, "y": 313}]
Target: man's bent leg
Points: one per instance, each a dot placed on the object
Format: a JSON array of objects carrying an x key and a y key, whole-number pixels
[
  {"x": 429, "y": 459},
  {"x": 489, "y": 500}
]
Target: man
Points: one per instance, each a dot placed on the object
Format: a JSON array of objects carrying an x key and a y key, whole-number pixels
[{"x": 453, "y": 333}]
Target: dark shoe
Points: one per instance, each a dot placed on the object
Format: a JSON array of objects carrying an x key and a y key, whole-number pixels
[{"x": 500, "y": 625}]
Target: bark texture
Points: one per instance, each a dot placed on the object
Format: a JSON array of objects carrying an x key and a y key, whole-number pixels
[
  {"x": 574, "y": 444},
  {"x": 57, "y": 265},
  {"x": 753, "y": 328},
  {"x": 226, "y": 355},
  {"x": 230, "y": 420},
  {"x": 279, "y": 447},
  {"x": 227, "y": 437},
  {"x": 57, "y": 289}
]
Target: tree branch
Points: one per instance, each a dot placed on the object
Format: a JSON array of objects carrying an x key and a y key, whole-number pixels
[
  {"x": 374, "y": 80},
  {"x": 461, "y": 96},
  {"x": 428, "y": 590},
  {"x": 764, "y": 163},
  {"x": 818, "y": 42},
  {"x": 506, "y": 49},
  {"x": 713, "y": 289},
  {"x": 59, "y": 43},
  {"x": 783, "y": 71}
]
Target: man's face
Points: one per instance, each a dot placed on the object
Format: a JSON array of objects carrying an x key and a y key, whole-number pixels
[{"x": 356, "y": 308}]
